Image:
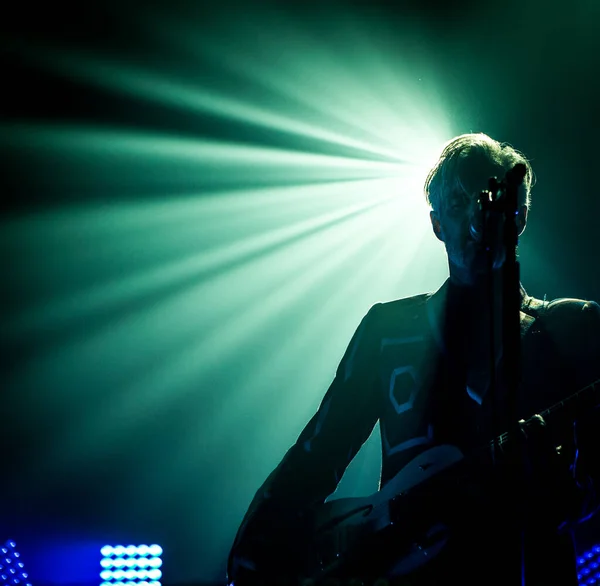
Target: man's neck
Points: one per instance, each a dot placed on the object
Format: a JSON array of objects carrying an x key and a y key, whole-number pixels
[{"x": 474, "y": 294}]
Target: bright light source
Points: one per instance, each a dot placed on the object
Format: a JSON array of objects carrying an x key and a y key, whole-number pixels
[{"x": 126, "y": 560}]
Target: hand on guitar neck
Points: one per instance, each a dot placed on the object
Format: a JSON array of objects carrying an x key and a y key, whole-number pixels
[
  {"x": 541, "y": 476},
  {"x": 406, "y": 524}
]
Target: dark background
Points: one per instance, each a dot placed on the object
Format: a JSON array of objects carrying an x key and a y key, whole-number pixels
[{"x": 523, "y": 72}]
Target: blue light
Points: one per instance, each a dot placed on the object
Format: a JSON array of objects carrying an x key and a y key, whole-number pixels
[
  {"x": 588, "y": 564},
  {"x": 15, "y": 568},
  {"x": 156, "y": 550},
  {"x": 130, "y": 550},
  {"x": 129, "y": 566},
  {"x": 154, "y": 574}
]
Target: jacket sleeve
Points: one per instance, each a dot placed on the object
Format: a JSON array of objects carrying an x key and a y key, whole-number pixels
[
  {"x": 586, "y": 465},
  {"x": 312, "y": 468},
  {"x": 580, "y": 342}
]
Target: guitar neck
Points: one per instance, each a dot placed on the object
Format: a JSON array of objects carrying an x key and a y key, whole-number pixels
[{"x": 565, "y": 412}]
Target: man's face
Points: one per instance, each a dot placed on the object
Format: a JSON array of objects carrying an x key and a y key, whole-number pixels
[{"x": 467, "y": 257}]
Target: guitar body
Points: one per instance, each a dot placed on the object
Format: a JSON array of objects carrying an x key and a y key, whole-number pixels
[
  {"x": 406, "y": 524},
  {"x": 350, "y": 533}
]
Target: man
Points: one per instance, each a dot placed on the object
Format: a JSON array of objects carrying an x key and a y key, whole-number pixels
[{"x": 423, "y": 368}]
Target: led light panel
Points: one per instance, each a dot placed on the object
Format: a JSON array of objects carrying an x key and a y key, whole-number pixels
[
  {"x": 12, "y": 569},
  {"x": 131, "y": 565}
]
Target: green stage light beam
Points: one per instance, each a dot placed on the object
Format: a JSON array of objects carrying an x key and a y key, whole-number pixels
[
  {"x": 196, "y": 256},
  {"x": 216, "y": 345},
  {"x": 149, "y": 86},
  {"x": 149, "y": 230},
  {"x": 357, "y": 88}
]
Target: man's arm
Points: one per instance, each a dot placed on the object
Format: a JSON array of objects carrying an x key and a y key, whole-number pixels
[
  {"x": 586, "y": 467},
  {"x": 578, "y": 329},
  {"x": 312, "y": 468}
]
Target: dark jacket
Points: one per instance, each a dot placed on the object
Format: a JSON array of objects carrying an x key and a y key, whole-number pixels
[{"x": 398, "y": 369}]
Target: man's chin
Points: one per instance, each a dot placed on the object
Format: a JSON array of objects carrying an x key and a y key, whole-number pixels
[{"x": 479, "y": 262}]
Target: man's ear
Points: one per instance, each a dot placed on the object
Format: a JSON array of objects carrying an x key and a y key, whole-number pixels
[
  {"x": 521, "y": 220},
  {"x": 435, "y": 223}
]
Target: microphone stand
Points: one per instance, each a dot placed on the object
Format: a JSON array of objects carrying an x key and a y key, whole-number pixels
[{"x": 502, "y": 198}]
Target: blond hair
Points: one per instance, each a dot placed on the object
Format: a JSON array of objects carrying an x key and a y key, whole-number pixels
[{"x": 466, "y": 164}]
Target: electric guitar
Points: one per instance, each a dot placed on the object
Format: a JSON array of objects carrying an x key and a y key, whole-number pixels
[{"x": 397, "y": 529}]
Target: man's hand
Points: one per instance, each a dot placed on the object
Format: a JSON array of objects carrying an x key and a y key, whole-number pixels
[{"x": 547, "y": 483}]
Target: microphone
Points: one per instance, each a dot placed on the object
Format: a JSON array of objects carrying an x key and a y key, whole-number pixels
[
  {"x": 476, "y": 224},
  {"x": 489, "y": 212},
  {"x": 488, "y": 221}
]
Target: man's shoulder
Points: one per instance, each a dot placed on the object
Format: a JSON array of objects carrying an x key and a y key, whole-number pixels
[
  {"x": 574, "y": 326},
  {"x": 390, "y": 314},
  {"x": 569, "y": 308},
  {"x": 567, "y": 316},
  {"x": 402, "y": 305},
  {"x": 572, "y": 304}
]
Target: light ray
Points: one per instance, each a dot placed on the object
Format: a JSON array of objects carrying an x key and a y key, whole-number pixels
[
  {"x": 356, "y": 87},
  {"x": 263, "y": 384},
  {"x": 150, "y": 392},
  {"x": 171, "y": 275},
  {"x": 210, "y": 272},
  {"x": 290, "y": 391},
  {"x": 148, "y": 85}
]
